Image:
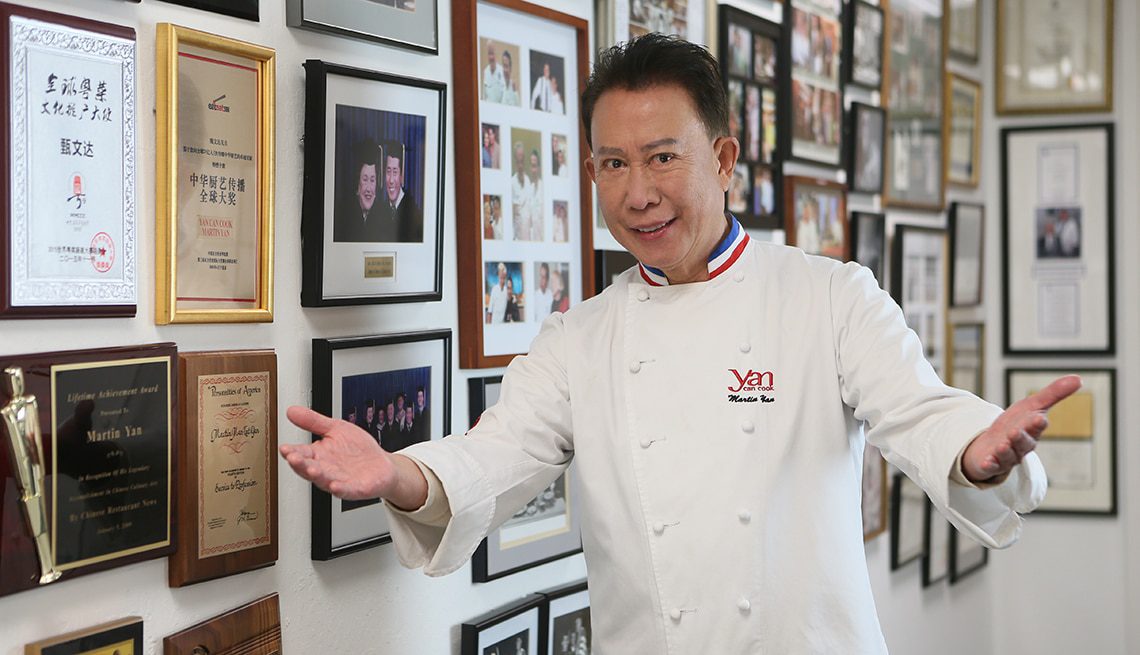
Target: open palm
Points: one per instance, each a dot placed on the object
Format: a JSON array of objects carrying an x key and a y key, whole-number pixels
[{"x": 346, "y": 461}]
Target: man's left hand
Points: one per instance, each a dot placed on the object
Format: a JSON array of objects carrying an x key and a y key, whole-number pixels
[{"x": 1014, "y": 434}]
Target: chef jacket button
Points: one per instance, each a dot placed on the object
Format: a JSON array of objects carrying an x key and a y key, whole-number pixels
[
  {"x": 646, "y": 442},
  {"x": 745, "y": 346},
  {"x": 659, "y": 528},
  {"x": 748, "y": 426},
  {"x": 634, "y": 366},
  {"x": 738, "y": 276},
  {"x": 744, "y": 515},
  {"x": 744, "y": 605},
  {"x": 675, "y": 614},
  {"x": 642, "y": 295}
]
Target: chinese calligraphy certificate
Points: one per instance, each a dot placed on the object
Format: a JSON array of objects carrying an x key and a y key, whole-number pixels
[{"x": 72, "y": 168}]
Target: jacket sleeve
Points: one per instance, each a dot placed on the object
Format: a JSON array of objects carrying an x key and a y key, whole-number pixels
[
  {"x": 519, "y": 446},
  {"x": 920, "y": 424}
]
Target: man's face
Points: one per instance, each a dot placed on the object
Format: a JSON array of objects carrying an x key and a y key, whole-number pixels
[
  {"x": 502, "y": 277},
  {"x": 399, "y": 404},
  {"x": 535, "y": 168},
  {"x": 409, "y": 413},
  {"x": 420, "y": 400},
  {"x": 660, "y": 178},
  {"x": 543, "y": 278},
  {"x": 507, "y": 69},
  {"x": 391, "y": 412},
  {"x": 491, "y": 56},
  {"x": 366, "y": 186},
  {"x": 369, "y": 413},
  {"x": 393, "y": 180},
  {"x": 546, "y": 71}
]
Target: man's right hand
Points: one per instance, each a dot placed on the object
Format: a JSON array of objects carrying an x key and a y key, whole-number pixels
[{"x": 349, "y": 464}]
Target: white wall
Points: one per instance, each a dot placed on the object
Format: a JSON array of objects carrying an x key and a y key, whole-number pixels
[{"x": 1066, "y": 588}]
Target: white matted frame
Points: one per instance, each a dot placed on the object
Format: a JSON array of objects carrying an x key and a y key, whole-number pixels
[
  {"x": 515, "y": 628},
  {"x": 391, "y": 23},
  {"x": 566, "y": 624}
]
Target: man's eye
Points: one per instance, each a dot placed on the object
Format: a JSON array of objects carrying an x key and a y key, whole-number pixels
[
  {"x": 663, "y": 158},
  {"x": 612, "y": 163}
]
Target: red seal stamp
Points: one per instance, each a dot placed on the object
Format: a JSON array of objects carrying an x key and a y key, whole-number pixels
[{"x": 102, "y": 252}]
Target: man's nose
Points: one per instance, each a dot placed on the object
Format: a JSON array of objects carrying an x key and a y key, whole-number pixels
[{"x": 641, "y": 192}]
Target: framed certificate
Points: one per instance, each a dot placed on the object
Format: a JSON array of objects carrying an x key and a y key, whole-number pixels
[
  {"x": 967, "y": 253},
  {"x": 67, "y": 239},
  {"x": 963, "y": 28},
  {"x": 124, "y": 637},
  {"x": 815, "y": 216},
  {"x": 963, "y": 136},
  {"x": 411, "y": 24},
  {"x": 372, "y": 214},
  {"x": 813, "y": 93},
  {"x": 968, "y": 357},
  {"x": 918, "y": 284},
  {"x": 227, "y": 498},
  {"x": 214, "y": 175},
  {"x": 1057, "y": 239},
  {"x": 524, "y": 219}
]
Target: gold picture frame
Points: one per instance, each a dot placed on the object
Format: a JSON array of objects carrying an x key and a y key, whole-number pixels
[
  {"x": 961, "y": 131},
  {"x": 203, "y": 270}
]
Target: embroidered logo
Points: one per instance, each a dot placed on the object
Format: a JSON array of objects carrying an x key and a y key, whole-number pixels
[{"x": 746, "y": 387}]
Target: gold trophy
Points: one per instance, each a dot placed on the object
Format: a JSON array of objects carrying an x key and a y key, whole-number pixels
[{"x": 21, "y": 417}]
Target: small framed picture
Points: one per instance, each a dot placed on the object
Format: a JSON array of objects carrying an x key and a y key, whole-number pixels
[
  {"x": 936, "y": 532},
  {"x": 813, "y": 91},
  {"x": 966, "y": 556},
  {"x": 566, "y": 620},
  {"x": 247, "y": 9},
  {"x": 963, "y": 27},
  {"x": 1078, "y": 448},
  {"x": 514, "y": 629},
  {"x": 397, "y": 388},
  {"x": 918, "y": 285},
  {"x": 967, "y": 253},
  {"x": 967, "y": 357},
  {"x": 869, "y": 243},
  {"x": 875, "y": 493},
  {"x": 963, "y": 127},
  {"x": 864, "y": 57},
  {"x": 815, "y": 216},
  {"x": 866, "y": 124},
  {"x": 907, "y": 521},
  {"x": 617, "y": 21},
  {"x": 124, "y": 637},
  {"x": 372, "y": 212},
  {"x": 411, "y": 24},
  {"x": 610, "y": 264}
]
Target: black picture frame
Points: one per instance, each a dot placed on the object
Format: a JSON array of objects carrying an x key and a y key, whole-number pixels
[
  {"x": 803, "y": 80},
  {"x": 372, "y": 530},
  {"x": 247, "y": 9},
  {"x": 760, "y": 91},
  {"x": 936, "y": 531},
  {"x": 525, "y": 612},
  {"x": 386, "y": 22},
  {"x": 908, "y": 547},
  {"x": 553, "y": 599},
  {"x": 925, "y": 303},
  {"x": 332, "y": 253},
  {"x": 863, "y": 175},
  {"x": 481, "y": 394},
  {"x": 960, "y": 568},
  {"x": 854, "y": 73},
  {"x": 609, "y": 264},
  {"x": 963, "y": 235},
  {"x": 869, "y": 243}
]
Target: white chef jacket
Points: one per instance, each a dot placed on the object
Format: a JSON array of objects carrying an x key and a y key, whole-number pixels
[{"x": 714, "y": 524}]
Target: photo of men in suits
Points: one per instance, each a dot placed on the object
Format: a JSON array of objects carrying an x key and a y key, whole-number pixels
[{"x": 407, "y": 219}]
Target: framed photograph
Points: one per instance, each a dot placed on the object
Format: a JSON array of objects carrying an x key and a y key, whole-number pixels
[
  {"x": 912, "y": 93},
  {"x": 411, "y": 24},
  {"x": 875, "y": 493},
  {"x": 610, "y": 264},
  {"x": 963, "y": 130},
  {"x": 397, "y": 388},
  {"x": 963, "y": 28},
  {"x": 566, "y": 620},
  {"x": 968, "y": 358},
  {"x": 908, "y": 516},
  {"x": 215, "y": 179},
  {"x": 813, "y": 93},
  {"x": 512, "y": 629},
  {"x": 863, "y": 58},
  {"x": 124, "y": 637},
  {"x": 617, "y": 21},
  {"x": 545, "y": 529},
  {"x": 374, "y": 162},
  {"x": 1057, "y": 239},
  {"x": 247, "y": 9},
  {"x": 919, "y": 264},
  {"x": 936, "y": 532},
  {"x": 967, "y": 253},
  {"x": 1054, "y": 58},
  {"x": 227, "y": 442},
  {"x": 1078, "y": 448},
  {"x": 519, "y": 67},
  {"x": 966, "y": 556},
  {"x": 750, "y": 51},
  {"x": 815, "y": 216},
  {"x": 869, "y": 243},
  {"x": 866, "y": 125},
  {"x": 67, "y": 239}
]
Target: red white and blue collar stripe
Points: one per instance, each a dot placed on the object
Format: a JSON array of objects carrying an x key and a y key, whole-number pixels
[{"x": 720, "y": 260}]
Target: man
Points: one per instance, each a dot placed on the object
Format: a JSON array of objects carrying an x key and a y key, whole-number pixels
[
  {"x": 407, "y": 220},
  {"x": 534, "y": 198},
  {"x": 556, "y": 104},
  {"x": 368, "y": 424},
  {"x": 390, "y": 428},
  {"x": 497, "y": 304},
  {"x": 542, "y": 295},
  {"x": 743, "y": 534},
  {"x": 493, "y": 81},
  {"x": 358, "y": 218},
  {"x": 510, "y": 88},
  {"x": 522, "y": 192},
  {"x": 540, "y": 96},
  {"x": 512, "y": 313},
  {"x": 422, "y": 412},
  {"x": 1069, "y": 235}
]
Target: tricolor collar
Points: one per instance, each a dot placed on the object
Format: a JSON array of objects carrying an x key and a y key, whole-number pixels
[{"x": 721, "y": 259}]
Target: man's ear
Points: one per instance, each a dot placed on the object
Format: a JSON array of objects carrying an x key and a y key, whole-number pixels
[
  {"x": 590, "y": 170},
  {"x": 727, "y": 150}
]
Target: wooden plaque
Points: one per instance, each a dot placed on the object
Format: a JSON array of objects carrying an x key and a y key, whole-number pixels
[{"x": 253, "y": 629}]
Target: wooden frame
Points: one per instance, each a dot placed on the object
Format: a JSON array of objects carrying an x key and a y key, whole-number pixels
[
  {"x": 931, "y": 330},
  {"x": 1075, "y": 103},
  {"x": 171, "y": 182},
  {"x": 124, "y": 635},
  {"x": 106, "y": 238},
  {"x": 478, "y": 347},
  {"x": 967, "y": 228},
  {"x": 253, "y": 628},
  {"x": 518, "y": 620},
  {"x": 822, "y": 89},
  {"x": 853, "y": 75},
  {"x": 957, "y": 128},
  {"x": 332, "y": 252},
  {"x": 371, "y": 21},
  {"x": 816, "y": 243},
  {"x": 957, "y": 23},
  {"x": 863, "y": 176},
  {"x": 227, "y": 421},
  {"x": 960, "y": 547}
]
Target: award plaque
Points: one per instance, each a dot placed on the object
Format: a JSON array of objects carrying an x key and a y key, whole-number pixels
[
  {"x": 253, "y": 629},
  {"x": 227, "y": 500},
  {"x": 67, "y": 237},
  {"x": 122, "y": 637},
  {"x": 215, "y": 167},
  {"x": 88, "y": 464}
]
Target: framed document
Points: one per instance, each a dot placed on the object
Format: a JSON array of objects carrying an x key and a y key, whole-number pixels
[
  {"x": 963, "y": 28},
  {"x": 968, "y": 357},
  {"x": 750, "y": 49},
  {"x": 813, "y": 93},
  {"x": 511, "y": 629},
  {"x": 124, "y": 637},
  {"x": 815, "y": 216},
  {"x": 411, "y": 24},
  {"x": 869, "y": 243},
  {"x": 1054, "y": 57},
  {"x": 215, "y": 168},
  {"x": 545, "y": 529},
  {"x": 912, "y": 93},
  {"x": 246, "y": 9},
  {"x": 88, "y": 446},
  {"x": 936, "y": 532},
  {"x": 908, "y": 518},
  {"x": 966, "y": 556},
  {"x": 372, "y": 214},
  {"x": 566, "y": 617},
  {"x": 967, "y": 253},
  {"x": 1078, "y": 448},
  {"x": 524, "y": 220},
  {"x": 918, "y": 285},
  {"x": 866, "y": 129},
  {"x": 397, "y": 388},
  {"x": 1057, "y": 239},
  {"x": 875, "y": 493},
  {"x": 963, "y": 130},
  {"x": 252, "y": 629},
  {"x": 227, "y": 500},
  {"x": 67, "y": 239},
  {"x": 863, "y": 58},
  {"x": 618, "y": 21}
]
